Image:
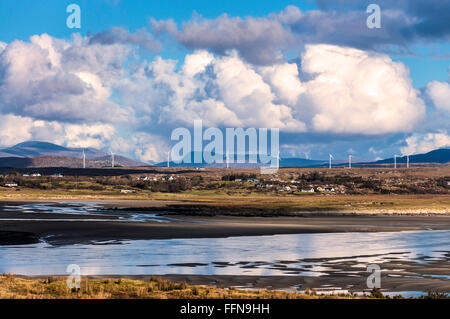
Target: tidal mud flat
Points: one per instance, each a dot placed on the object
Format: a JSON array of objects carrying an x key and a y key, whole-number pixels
[
  {"x": 65, "y": 223},
  {"x": 325, "y": 252}
]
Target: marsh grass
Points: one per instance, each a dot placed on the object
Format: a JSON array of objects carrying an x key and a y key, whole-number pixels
[{"x": 16, "y": 287}]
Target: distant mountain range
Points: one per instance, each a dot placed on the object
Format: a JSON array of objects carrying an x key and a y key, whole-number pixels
[
  {"x": 284, "y": 162},
  {"x": 35, "y": 148},
  {"x": 440, "y": 156},
  {"x": 43, "y": 154}
]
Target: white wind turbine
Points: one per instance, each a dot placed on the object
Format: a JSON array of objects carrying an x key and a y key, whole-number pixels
[
  {"x": 168, "y": 159},
  {"x": 278, "y": 160},
  {"x": 84, "y": 159},
  {"x": 407, "y": 161},
  {"x": 350, "y": 161},
  {"x": 395, "y": 161},
  {"x": 112, "y": 158},
  {"x": 331, "y": 157}
]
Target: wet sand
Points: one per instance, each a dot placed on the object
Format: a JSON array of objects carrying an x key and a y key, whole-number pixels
[
  {"x": 348, "y": 274},
  {"x": 17, "y": 227},
  {"x": 60, "y": 229}
]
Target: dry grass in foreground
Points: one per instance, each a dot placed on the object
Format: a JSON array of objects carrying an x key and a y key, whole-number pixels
[{"x": 14, "y": 287}]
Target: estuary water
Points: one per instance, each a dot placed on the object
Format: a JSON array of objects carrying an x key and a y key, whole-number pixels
[
  {"x": 334, "y": 259},
  {"x": 301, "y": 254}
]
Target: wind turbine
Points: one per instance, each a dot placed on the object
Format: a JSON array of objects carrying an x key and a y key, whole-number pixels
[
  {"x": 331, "y": 156},
  {"x": 407, "y": 161},
  {"x": 168, "y": 159},
  {"x": 395, "y": 161},
  {"x": 112, "y": 159},
  {"x": 84, "y": 159},
  {"x": 350, "y": 161},
  {"x": 278, "y": 160}
]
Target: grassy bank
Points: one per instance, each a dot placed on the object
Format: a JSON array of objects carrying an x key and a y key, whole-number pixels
[{"x": 14, "y": 287}]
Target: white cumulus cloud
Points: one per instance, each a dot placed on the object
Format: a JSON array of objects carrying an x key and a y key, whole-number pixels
[
  {"x": 439, "y": 93},
  {"x": 423, "y": 143},
  {"x": 355, "y": 91}
]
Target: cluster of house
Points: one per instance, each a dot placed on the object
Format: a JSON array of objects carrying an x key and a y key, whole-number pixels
[
  {"x": 127, "y": 191},
  {"x": 39, "y": 175},
  {"x": 247, "y": 179},
  {"x": 294, "y": 186},
  {"x": 286, "y": 188},
  {"x": 155, "y": 179},
  {"x": 11, "y": 184},
  {"x": 14, "y": 184}
]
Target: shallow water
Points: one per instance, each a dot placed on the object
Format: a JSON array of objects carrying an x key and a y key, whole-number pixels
[
  {"x": 93, "y": 212},
  {"x": 301, "y": 254},
  {"x": 331, "y": 254}
]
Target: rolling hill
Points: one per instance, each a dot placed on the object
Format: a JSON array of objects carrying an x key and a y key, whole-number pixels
[
  {"x": 43, "y": 154},
  {"x": 36, "y": 148},
  {"x": 439, "y": 156}
]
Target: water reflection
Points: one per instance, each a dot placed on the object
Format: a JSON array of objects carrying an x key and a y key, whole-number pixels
[{"x": 302, "y": 254}]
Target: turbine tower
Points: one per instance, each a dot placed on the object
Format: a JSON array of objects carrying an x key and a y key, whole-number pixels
[
  {"x": 278, "y": 160},
  {"x": 395, "y": 161},
  {"x": 350, "y": 161},
  {"x": 84, "y": 159},
  {"x": 331, "y": 156},
  {"x": 112, "y": 159},
  {"x": 407, "y": 161},
  {"x": 168, "y": 159}
]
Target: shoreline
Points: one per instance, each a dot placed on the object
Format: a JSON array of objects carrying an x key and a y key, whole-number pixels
[
  {"x": 34, "y": 227},
  {"x": 195, "y": 222},
  {"x": 157, "y": 287},
  {"x": 285, "y": 283}
]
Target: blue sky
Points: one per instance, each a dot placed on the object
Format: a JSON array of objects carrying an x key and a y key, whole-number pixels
[
  {"x": 24, "y": 18},
  {"x": 20, "y": 19},
  {"x": 268, "y": 37}
]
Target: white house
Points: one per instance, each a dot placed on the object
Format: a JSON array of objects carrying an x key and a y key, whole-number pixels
[{"x": 11, "y": 184}]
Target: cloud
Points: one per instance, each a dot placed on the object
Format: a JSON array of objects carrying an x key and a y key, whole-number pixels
[
  {"x": 221, "y": 91},
  {"x": 439, "y": 92},
  {"x": 285, "y": 82},
  {"x": 15, "y": 129},
  {"x": 404, "y": 20},
  {"x": 143, "y": 146},
  {"x": 94, "y": 93},
  {"x": 355, "y": 91},
  {"x": 118, "y": 35},
  {"x": 53, "y": 79},
  {"x": 264, "y": 40},
  {"x": 423, "y": 143},
  {"x": 348, "y": 28},
  {"x": 94, "y": 135},
  {"x": 258, "y": 40},
  {"x": 346, "y": 91}
]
